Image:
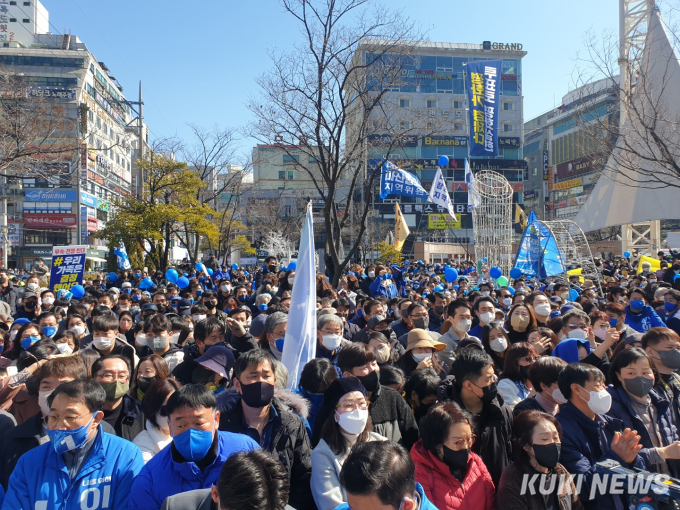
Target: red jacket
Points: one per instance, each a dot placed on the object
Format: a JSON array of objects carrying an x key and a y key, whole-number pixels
[{"x": 477, "y": 491}]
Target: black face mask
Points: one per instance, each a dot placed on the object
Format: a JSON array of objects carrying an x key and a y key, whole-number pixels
[
  {"x": 370, "y": 381},
  {"x": 547, "y": 455},
  {"x": 144, "y": 383},
  {"x": 29, "y": 305},
  {"x": 455, "y": 459},
  {"x": 524, "y": 371},
  {"x": 638, "y": 386},
  {"x": 2, "y": 280},
  {"x": 440, "y": 310},
  {"x": 421, "y": 322},
  {"x": 210, "y": 305},
  {"x": 489, "y": 393},
  {"x": 422, "y": 410},
  {"x": 257, "y": 395},
  {"x": 272, "y": 268}
]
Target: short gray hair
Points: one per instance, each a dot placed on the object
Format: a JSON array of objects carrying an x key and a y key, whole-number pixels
[
  {"x": 265, "y": 295},
  {"x": 274, "y": 320},
  {"x": 281, "y": 374},
  {"x": 324, "y": 319}
]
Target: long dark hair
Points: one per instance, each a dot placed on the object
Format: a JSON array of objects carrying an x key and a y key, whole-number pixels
[
  {"x": 512, "y": 356},
  {"x": 523, "y": 429},
  {"x": 498, "y": 361},
  {"x": 330, "y": 432},
  {"x": 532, "y": 319}
]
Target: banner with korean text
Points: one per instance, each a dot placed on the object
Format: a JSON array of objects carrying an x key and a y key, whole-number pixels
[
  {"x": 483, "y": 88},
  {"x": 68, "y": 266}
]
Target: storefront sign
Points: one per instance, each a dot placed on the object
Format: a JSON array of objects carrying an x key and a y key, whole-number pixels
[
  {"x": 445, "y": 141},
  {"x": 508, "y": 142},
  {"x": 32, "y": 220},
  {"x": 88, "y": 200},
  {"x": 580, "y": 166},
  {"x": 443, "y": 222},
  {"x": 399, "y": 141},
  {"x": 545, "y": 165},
  {"x": 488, "y": 45},
  {"x": 571, "y": 183},
  {"x": 51, "y": 195}
]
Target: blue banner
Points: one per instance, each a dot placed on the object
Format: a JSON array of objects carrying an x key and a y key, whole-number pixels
[
  {"x": 122, "y": 256},
  {"x": 395, "y": 181},
  {"x": 483, "y": 88},
  {"x": 538, "y": 255},
  {"x": 51, "y": 195},
  {"x": 88, "y": 200},
  {"x": 68, "y": 266}
]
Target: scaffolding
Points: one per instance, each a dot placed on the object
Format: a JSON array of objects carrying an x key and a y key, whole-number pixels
[{"x": 492, "y": 220}]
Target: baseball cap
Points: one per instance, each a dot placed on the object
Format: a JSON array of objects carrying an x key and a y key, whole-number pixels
[
  {"x": 219, "y": 359},
  {"x": 184, "y": 307},
  {"x": 29, "y": 294},
  {"x": 149, "y": 306},
  {"x": 377, "y": 319},
  {"x": 126, "y": 285}
]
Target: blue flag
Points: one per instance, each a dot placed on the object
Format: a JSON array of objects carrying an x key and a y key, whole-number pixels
[
  {"x": 122, "y": 257},
  {"x": 483, "y": 88},
  {"x": 395, "y": 181},
  {"x": 538, "y": 255}
]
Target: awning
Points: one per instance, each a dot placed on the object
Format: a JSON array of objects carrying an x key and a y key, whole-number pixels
[{"x": 95, "y": 259}]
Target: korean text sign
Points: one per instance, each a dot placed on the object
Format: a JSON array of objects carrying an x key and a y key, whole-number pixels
[
  {"x": 483, "y": 88},
  {"x": 68, "y": 266}
]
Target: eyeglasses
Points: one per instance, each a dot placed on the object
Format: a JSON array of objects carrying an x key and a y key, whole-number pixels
[
  {"x": 69, "y": 421},
  {"x": 528, "y": 359},
  {"x": 465, "y": 442},
  {"x": 123, "y": 377},
  {"x": 574, "y": 326},
  {"x": 351, "y": 406}
]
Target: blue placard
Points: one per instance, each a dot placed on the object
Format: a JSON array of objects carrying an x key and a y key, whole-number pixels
[
  {"x": 51, "y": 195},
  {"x": 68, "y": 267},
  {"x": 483, "y": 88},
  {"x": 395, "y": 181}
]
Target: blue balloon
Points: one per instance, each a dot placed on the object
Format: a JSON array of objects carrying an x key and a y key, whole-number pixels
[
  {"x": 182, "y": 282},
  {"x": 439, "y": 288},
  {"x": 112, "y": 277},
  {"x": 210, "y": 271},
  {"x": 171, "y": 275},
  {"x": 450, "y": 274},
  {"x": 456, "y": 287},
  {"x": 200, "y": 267},
  {"x": 292, "y": 266},
  {"x": 406, "y": 262},
  {"x": 78, "y": 291},
  {"x": 515, "y": 273},
  {"x": 485, "y": 259},
  {"x": 511, "y": 291},
  {"x": 443, "y": 161},
  {"x": 495, "y": 272},
  {"x": 146, "y": 283},
  {"x": 626, "y": 254},
  {"x": 245, "y": 273},
  {"x": 383, "y": 197},
  {"x": 234, "y": 266},
  {"x": 573, "y": 295}
]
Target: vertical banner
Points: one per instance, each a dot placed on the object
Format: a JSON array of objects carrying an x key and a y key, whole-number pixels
[
  {"x": 483, "y": 87},
  {"x": 68, "y": 266},
  {"x": 83, "y": 225}
]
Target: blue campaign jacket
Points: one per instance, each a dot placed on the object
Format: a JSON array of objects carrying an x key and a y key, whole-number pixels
[
  {"x": 163, "y": 477},
  {"x": 425, "y": 504},
  {"x": 643, "y": 321},
  {"x": 377, "y": 288},
  {"x": 41, "y": 479},
  {"x": 586, "y": 442},
  {"x": 622, "y": 408}
]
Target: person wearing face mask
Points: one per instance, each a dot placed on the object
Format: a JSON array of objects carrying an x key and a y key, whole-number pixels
[
  {"x": 105, "y": 339},
  {"x": 156, "y": 434},
  {"x": 194, "y": 458},
  {"x": 421, "y": 352},
  {"x": 537, "y": 455},
  {"x": 663, "y": 346},
  {"x": 460, "y": 316},
  {"x": 453, "y": 477},
  {"x": 330, "y": 341},
  {"x": 207, "y": 333},
  {"x": 543, "y": 375},
  {"x": 121, "y": 411},
  {"x": 472, "y": 385},
  {"x": 367, "y": 278},
  {"x": 495, "y": 342},
  {"x": 590, "y": 436},
  {"x": 210, "y": 301},
  {"x": 485, "y": 312},
  {"x": 640, "y": 316},
  {"x": 274, "y": 333},
  {"x": 420, "y": 391},
  {"x": 253, "y": 409},
  {"x": 514, "y": 384},
  {"x": 223, "y": 292},
  {"x": 540, "y": 304},
  {"x": 520, "y": 323},
  {"x": 149, "y": 370},
  {"x": 158, "y": 330},
  {"x": 90, "y": 462},
  {"x": 347, "y": 426},
  {"x": 438, "y": 311},
  {"x": 641, "y": 408},
  {"x": 268, "y": 268},
  {"x": 29, "y": 308},
  {"x": 46, "y": 300}
]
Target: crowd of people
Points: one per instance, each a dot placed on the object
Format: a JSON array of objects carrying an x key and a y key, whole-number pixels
[{"x": 424, "y": 393}]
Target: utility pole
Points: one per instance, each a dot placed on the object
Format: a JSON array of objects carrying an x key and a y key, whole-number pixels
[
  {"x": 140, "y": 177},
  {"x": 5, "y": 228}
]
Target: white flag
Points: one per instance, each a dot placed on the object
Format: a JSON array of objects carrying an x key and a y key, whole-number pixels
[
  {"x": 439, "y": 194},
  {"x": 474, "y": 199},
  {"x": 299, "y": 345}
]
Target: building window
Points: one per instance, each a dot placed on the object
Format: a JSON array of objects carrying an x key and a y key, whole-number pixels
[
  {"x": 290, "y": 175},
  {"x": 12, "y": 20},
  {"x": 404, "y": 124},
  {"x": 54, "y": 237},
  {"x": 535, "y": 172},
  {"x": 405, "y": 103},
  {"x": 458, "y": 104},
  {"x": 282, "y": 175},
  {"x": 431, "y": 103},
  {"x": 508, "y": 127},
  {"x": 27, "y": 3},
  {"x": 26, "y": 20},
  {"x": 312, "y": 159},
  {"x": 12, "y": 3},
  {"x": 508, "y": 106},
  {"x": 287, "y": 158}
]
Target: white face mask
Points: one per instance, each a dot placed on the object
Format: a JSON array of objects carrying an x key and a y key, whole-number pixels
[
  {"x": 371, "y": 274},
  {"x": 507, "y": 302},
  {"x": 331, "y": 342},
  {"x": 499, "y": 345},
  {"x": 485, "y": 293},
  {"x": 558, "y": 397},
  {"x": 353, "y": 423},
  {"x": 78, "y": 330},
  {"x": 487, "y": 317},
  {"x": 600, "y": 401},
  {"x": 174, "y": 338},
  {"x": 383, "y": 354},
  {"x": 65, "y": 348},
  {"x": 162, "y": 422},
  {"x": 225, "y": 288},
  {"x": 577, "y": 333},
  {"x": 397, "y": 314},
  {"x": 13, "y": 335},
  {"x": 622, "y": 299},
  {"x": 103, "y": 343},
  {"x": 421, "y": 356},
  {"x": 42, "y": 401},
  {"x": 542, "y": 309},
  {"x": 464, "y": 326},
  {"x": 198, "y": 317},
  {"x": 141, "y": 339},
  {"x": 48, "y": 301},
  {"x": 291, "y": 280}
]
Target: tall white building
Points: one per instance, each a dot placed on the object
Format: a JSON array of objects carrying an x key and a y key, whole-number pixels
[{"x": 21, "y": 21}]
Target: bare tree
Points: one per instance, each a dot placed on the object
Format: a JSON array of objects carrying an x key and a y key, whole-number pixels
[{"x": 326, "y": 100}]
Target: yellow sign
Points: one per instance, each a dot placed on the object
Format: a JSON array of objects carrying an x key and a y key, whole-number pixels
[
  {"x": 444, "y": 222},
  {"x": 571, "y": 183}
]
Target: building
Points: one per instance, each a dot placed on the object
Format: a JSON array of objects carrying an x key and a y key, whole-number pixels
[
  {"x": 570, "y": 136},
  {"x": 74, "y": 200},
  {"x": 429, "y": 106}
]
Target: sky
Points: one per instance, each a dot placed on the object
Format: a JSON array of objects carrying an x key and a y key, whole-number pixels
[{"x": 198, "y": 60}]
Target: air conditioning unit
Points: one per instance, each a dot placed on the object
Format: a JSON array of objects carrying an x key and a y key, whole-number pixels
[
  {"x": 445, "y": 113},
  {"x": 431, "y": 112}
]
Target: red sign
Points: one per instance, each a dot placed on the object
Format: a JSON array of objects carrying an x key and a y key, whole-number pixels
[
  {"x": 92, "y": 224},
  {"x": 50, "y": 220}
]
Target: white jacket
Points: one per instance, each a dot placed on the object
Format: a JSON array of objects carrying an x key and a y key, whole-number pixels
[
  {"x": 325, "y": 481},
  {"x": 151, "y": 441}
]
